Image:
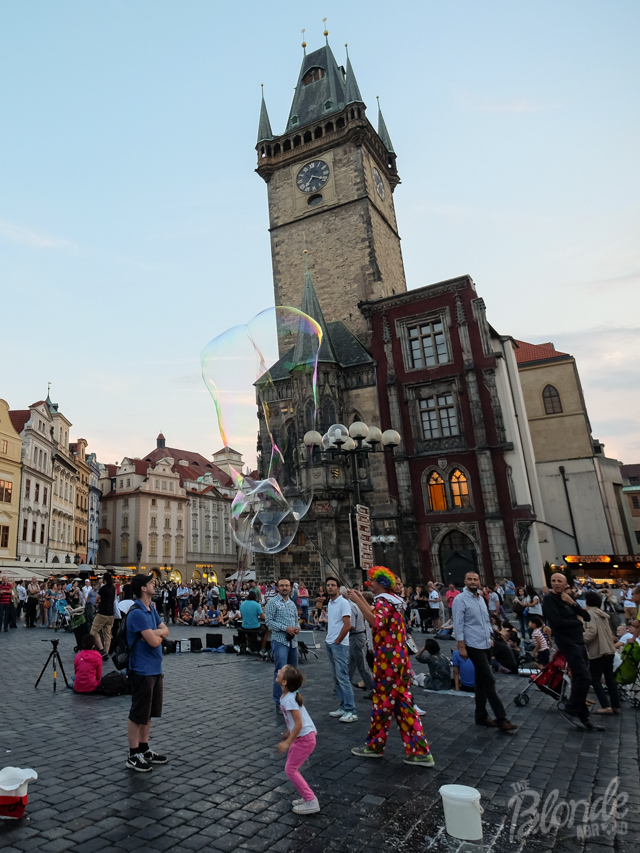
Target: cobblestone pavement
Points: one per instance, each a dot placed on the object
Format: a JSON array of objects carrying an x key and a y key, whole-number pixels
[{"x": 224, "y": 788}]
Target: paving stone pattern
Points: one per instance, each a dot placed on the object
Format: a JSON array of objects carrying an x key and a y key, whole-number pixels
[{"x": 225, "y": 789}]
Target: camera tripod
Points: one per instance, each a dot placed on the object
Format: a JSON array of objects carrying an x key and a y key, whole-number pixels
[{"x": 54, "y": 657}]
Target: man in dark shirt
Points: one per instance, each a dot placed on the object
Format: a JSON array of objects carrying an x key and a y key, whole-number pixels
[
  {"x": 102, "y": 625},
  {"x": 563, "y": 615}
]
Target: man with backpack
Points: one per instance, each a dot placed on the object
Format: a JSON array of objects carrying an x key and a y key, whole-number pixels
[{"x": 145, "y": 631}]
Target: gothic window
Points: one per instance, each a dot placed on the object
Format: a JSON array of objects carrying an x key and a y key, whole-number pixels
[
  {"x": 307, "y": 136},
  {"x": 312, "y": 75},
  {"x": 286, "y": 145},
  {"x": 459, "y": 489},
  {"x": 297, "y": 141},
  {"x": 438, "y": 416},
  {"x": 328, "y": 414},
  {"x": 340, "y": 124},
  {"x": 310, "y": 416},
  {"x": 427, "y": 344},
  {"x": 551, "y": 399},
  {"x": 328, "y": 128},
  {"x": 437, "y": 492},
  {"x": 317, "y": 133}
]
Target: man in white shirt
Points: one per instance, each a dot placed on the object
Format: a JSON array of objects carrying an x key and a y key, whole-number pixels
[
  {"x": 434, "y": 606},
  {"x": 337, "y": 645},
  {"x": 22, "y": 598},
  {"x": 358, "y": 647}
]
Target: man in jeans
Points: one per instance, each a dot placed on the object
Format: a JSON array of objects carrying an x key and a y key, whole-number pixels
[
  {"x": 337, "y": 644},
  {"x": 358, "y": 647},
  {"x": 472, "y": 629},
  {"x": 564, "y": 616},
  {"x": 281, "y": 617}
]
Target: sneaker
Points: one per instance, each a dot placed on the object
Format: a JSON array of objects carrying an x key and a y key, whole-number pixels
[
  {"x": 576, "y": 722},
  {"x": 338, "y": 713},
  {"x": 419, "y": 760},
  {"x": 154, "y": 758},
  {"x": 419, "y": 711},
  {"x": 349, "y": 717},
  {"x": 139, "y": 762},
  {"x": 298, "y": 802},
  {"x": 366, "y": 752},
  {"x": 311, "y": 807}
]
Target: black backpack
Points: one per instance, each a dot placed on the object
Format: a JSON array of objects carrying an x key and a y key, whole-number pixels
[{"x": 122, "y": 654}]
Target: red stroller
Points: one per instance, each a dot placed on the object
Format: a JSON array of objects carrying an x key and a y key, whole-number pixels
[{"x": 553, "y": 680}]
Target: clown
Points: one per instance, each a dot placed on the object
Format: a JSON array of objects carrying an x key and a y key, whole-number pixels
[{"x": 391, "y": 673}]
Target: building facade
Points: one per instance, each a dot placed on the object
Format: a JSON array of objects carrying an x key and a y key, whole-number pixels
[
  {"x": 94, "y": 509},
  {"x": 78, "y": 452},
  {"x": 581, "y": 488},
  {"x": 62, "y": 547},
  {"x": 631, "y": 491},
  {"x": 10, "y": 482},
  {"x": 38, "y": 451},
  {"x": 464, "y": 472}
]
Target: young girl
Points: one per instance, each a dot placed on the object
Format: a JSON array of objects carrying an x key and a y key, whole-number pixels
[
  {"x": 300, "y": 739},
  {"x": 541, "y": 648}
]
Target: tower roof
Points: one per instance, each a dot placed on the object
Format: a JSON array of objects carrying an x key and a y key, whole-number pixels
[
  {"x": 264, "y": 125},
  {"x": 317, "y": 94},
  {"x": 302, "y": 352},
  {"x": 383, "y": 133},
  {"x": 352, "y": 92}
]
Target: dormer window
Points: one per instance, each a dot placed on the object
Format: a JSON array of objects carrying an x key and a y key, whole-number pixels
[
  {"x": 328, "y": 105},
  {"x": 295, "y": 120},
  {"x": 312, "y": 75}
]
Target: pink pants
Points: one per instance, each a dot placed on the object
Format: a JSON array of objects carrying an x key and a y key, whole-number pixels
[{"x": 299, "y": 751}]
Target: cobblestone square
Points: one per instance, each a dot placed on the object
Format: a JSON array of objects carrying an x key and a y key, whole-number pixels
[{"x": 225, "y": 789}]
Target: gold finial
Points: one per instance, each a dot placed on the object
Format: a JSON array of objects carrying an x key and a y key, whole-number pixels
[
  {"x": 304, "y": 243},
  {"x": 304, "y": 43},
  {"x": 326, "y": 31}
]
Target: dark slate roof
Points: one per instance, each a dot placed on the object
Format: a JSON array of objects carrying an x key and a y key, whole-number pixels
[
  {"x": 303, "y": 352},
  {"x": 383, "y": 133},
  {"x": 309, "y": 101},
  {"x": 352, "y": 92},
  {"x": 264, "y": 125},
  {"x": 348, "y": 349}
]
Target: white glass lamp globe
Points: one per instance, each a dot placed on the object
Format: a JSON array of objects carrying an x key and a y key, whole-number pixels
[
  {"x": 358, "y": 430},
  {"x": 327, "y": 442},
  {"x": 391, "y": 438},
  {"x": 374, "y": 436},
  {"x": 338, "y": 433},
  {"x": 349, "y": 444},
  {"x": 312, "y": 438}
]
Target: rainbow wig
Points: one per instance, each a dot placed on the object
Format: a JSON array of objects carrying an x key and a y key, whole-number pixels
[{"x": 382, "y": 575}]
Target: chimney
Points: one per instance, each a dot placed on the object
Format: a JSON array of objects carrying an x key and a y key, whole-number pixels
[{"x": 160, "y": 441}]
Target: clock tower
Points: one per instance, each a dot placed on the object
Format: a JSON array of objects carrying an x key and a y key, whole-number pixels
[{"x": 330, "y": 182}]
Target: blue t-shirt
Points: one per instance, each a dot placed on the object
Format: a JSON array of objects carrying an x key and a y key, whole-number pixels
[
  {"x": 144, "y": 660},
  {"x": 467, "y": 669},
  {"x": 250, "y": 611}
]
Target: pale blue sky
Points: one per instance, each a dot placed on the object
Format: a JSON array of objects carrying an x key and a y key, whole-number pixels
[{"x": 133, "y": 227}]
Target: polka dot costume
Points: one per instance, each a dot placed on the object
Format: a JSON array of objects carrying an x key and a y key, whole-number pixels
[{"x": 392, "y": 683}]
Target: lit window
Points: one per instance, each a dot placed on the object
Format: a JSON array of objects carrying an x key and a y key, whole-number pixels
[
  {"x": 438, "y": 415},
  {"x": 4, "y": 536},
  {"x": 125, "y": 548},
  {"x": 459, "y": 489},
  {"x": 427, "y": 344},
  {"x": 179, "y": 548},
  {"x": 6, "y": 489},
  {"x": 437, "y": 494},
  {"x": 166, "y": 547},
  {"x": 551, "y": 399},
  {"x": 153, "y": 548}
]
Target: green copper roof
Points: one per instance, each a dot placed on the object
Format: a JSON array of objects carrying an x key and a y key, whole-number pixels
[
  {"x": 264, "y": 126},
  {"x": 383, "y": 133},
  {"x": 352, "y": 92},
  {"x": 322, "y": 97}
]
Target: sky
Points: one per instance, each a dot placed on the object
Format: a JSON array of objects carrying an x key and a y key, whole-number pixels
[{"x": 133, "y": 228}]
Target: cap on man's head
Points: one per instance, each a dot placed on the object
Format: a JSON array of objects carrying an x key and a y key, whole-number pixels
[{"x": 138, "y": 582}]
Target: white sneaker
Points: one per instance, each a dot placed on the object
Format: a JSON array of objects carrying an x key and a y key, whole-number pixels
[
  {"x": 338, "y": 713},
  {"x": 311, "y": 807},
  {"x": 348, "y": 717},
  {"x": 297, "y": 802},
  {"x": 419, "y": 711}
]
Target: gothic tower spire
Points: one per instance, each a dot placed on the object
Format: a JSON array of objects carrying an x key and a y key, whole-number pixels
[
  {"x": 264, "y": 126},
  {"x": 383, "y": 133},
  {"x": 352, "y": 92}
]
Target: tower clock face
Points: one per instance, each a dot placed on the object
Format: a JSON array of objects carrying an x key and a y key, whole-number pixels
[
  {"x": 313, "y": 176},
  {"x": 378, "y": 183}
]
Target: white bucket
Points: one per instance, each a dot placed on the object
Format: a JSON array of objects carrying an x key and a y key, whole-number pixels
[
  {"x": 462, "y": 812},
  {"x": 13, "y": 791}
]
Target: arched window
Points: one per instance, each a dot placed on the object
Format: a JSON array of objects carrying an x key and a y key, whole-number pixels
[
  {"x": 340, "y": 124},
  {"x": 312, "y": 75},
  {"x": 276, "y": 149},
  {"x": 286, "y": 145},
  {"x": 328, "y": 414},
  {"x": 307, "y": 136},
  {"x": 459, "y": 489},
  {"x": 317, "y": 133},
  {"x": 297, "y": 141},
  {"x": 437, "y": 493},
  {"x": 310, "y": 416},
  {"x": 328, "y": 128},
  {"x": 551, "y": 399}
]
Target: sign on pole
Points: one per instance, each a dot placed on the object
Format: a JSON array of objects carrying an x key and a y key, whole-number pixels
[{"x": 363, "y": 528}]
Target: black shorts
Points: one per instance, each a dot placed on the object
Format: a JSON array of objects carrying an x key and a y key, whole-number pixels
[{"x": 146, "y": 697}]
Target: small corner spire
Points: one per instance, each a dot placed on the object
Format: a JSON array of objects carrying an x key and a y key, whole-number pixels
[
  {"x": 265, "y": 133},
  {"x": 351, "y": 91},
  {"x": 383, "y": 133}
]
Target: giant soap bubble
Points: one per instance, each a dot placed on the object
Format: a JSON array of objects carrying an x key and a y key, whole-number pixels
[{"x": 271, "y": 360}]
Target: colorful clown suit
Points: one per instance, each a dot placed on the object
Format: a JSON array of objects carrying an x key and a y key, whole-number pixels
[{"x": 392, "y": 680}]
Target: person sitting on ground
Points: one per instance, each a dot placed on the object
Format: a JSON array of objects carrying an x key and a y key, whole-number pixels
[
  {"x": 233, "y": 618},
  {"x": 496, "y": 622},
  {"x": 439, "y": 676},
  {"x": 214, "y": 616},
  {"x": 541, "y": 649},
  {"x": 504, "y": 658},
  {"x": 87, "y": 665},
  {"x": 186, "y": 617},
  {"x": 200, "y": 617},
  {"x": 464, "y": 673},
  {"x": 323, "y": 621}
]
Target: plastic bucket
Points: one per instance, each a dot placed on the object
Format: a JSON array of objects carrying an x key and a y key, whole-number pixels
[
  {"x": 13, "y": 791},
  {"x": 462, "y": 812}
]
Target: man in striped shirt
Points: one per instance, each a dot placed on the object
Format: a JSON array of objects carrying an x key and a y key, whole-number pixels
[{"x": 281, "y": 617}]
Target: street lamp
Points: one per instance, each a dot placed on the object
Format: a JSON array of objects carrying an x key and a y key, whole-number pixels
[{"x": 384, "y": 541}]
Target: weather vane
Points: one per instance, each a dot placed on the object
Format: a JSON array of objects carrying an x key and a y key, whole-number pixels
[
  {"x": 326, "y": 31},
  {"x": 304, "y": 43}
]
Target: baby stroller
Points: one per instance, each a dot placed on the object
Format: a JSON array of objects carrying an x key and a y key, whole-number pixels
[
  {"x": 627, "y": 674},
  {"x": 65, "y": 616},
  {"x": 553, "y": 680}
]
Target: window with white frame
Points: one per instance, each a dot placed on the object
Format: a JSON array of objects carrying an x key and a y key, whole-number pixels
[{"x": 438, "y": 416}]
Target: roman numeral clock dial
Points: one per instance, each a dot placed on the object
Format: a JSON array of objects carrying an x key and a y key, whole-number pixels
[{"x": 312, "y": 177}]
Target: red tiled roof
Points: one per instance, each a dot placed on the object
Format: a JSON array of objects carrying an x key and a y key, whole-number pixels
[
  {"x": 104, "y": 530},
  {"x": 39, "y": 403},
  {"x": 537, "y": 352},
  {"x": 19, "y": 418},
  {"x": 230, "y": 449},
  {"x": 198, "y": 464},
  {"x": 112, "y": 470}
]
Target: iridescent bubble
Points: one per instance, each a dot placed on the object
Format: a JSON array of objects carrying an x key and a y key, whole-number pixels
[{"x": 251, "y": 370}]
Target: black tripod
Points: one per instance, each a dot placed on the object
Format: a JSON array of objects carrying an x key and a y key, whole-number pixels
[{"x": 54, "y": 657}]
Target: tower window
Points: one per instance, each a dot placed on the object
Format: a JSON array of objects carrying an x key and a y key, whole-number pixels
[
  {"x": 437, "y": 494},
  {"x": 328, "y": 128},
  {"x": 551, "y": 399},
  {"x": 317, "y": 133},
  {"x": 315, "y": 199},
  {"x": 295, "y": 120},
  {"x": 312, "y": 75},
  {"x": 307, "y": 136},
  {"x": 328, "y": 105},
  {"x": 296, "y": 141}
]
